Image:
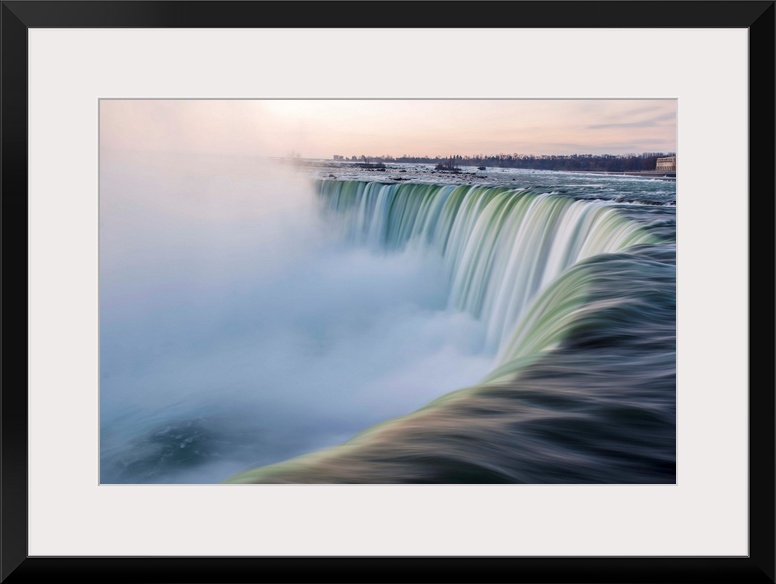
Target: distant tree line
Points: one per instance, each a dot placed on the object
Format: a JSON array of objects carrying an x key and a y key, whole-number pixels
[{"x": 594, "y": 162}]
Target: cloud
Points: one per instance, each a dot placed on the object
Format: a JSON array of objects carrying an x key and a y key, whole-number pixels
[{"x": 647, "y": 123}]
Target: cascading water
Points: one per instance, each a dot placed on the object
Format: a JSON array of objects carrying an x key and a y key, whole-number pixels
[
  {"x": 579, "y": 305},
  {"x": 499, "y": 246}
]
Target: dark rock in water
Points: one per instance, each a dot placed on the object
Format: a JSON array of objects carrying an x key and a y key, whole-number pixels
[
  {"x": 448, "y": 166},
  {"x": 172, "y": 446}
]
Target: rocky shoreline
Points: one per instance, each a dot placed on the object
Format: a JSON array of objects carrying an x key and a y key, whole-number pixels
[{"x": 466, "y": 175}]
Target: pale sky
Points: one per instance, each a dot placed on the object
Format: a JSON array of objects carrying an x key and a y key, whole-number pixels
[{"x": 322, "y": 128}]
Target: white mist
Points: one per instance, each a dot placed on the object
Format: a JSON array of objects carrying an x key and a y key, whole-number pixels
[{"x": 235, "y": 324}]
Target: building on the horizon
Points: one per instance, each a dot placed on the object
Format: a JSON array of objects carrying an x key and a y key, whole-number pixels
[{"x": 666, "y": 164}]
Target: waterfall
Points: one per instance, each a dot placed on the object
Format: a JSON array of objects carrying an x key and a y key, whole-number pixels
[
  {"x": 580, "y": 313},
  {"x": 500, "y": 247}
]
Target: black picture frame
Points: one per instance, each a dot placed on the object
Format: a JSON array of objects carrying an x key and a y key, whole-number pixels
[{"x": 19, "y": 16}]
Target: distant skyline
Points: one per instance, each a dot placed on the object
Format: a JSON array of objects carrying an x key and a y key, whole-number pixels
[{"x": 323, "y": 128}]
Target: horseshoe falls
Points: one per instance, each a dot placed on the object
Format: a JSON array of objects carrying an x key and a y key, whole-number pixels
[
  {"x": 499, "y": 246},
  {"x": 259, "y": 327},
  {"x": 577, "y": 300}
]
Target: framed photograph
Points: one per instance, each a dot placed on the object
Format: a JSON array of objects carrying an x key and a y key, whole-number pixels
[{"x": 317, "y": 291}]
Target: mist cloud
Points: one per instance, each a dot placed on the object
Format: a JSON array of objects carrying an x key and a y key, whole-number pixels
[{"x": 236, "y": 324}]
